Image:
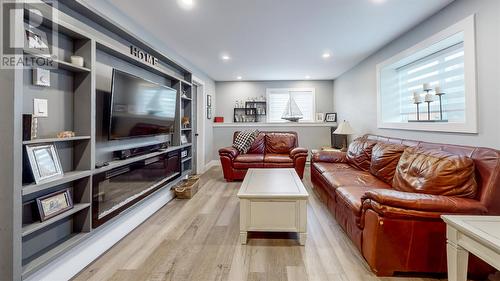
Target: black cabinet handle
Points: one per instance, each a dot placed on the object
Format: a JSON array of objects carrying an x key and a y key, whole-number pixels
[{"x": 196, "y": 134}]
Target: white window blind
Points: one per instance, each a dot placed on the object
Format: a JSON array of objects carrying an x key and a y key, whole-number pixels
[
  {"x": 444, "y": 68},
  {"x": 277, "y": 100}
]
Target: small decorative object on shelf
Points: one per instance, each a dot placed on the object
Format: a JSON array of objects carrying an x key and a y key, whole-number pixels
[
  {"x": 184, "y": 139},
  {"x": 54, "y": 204},
  {"x": 320, "y": 117},
  {"x": 185, "y": 122},
  {"x": 44, "y": 161},
  {"x": 77, "y": 60},
  {"x": 184, "y": 153},
  {"x": 292, "y": 112},
  {"x": 428, "y": 98},
  {"x": 28, "y": 133},
  {"x": 331, "y": 117},
  {"x": 219, "y": 119},
  {"x": 65, "y": 134}
]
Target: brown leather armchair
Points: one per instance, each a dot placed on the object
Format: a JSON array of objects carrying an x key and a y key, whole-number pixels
[
  {"x": 388, "y": 195},
  {"x": 269, "y": 150}
]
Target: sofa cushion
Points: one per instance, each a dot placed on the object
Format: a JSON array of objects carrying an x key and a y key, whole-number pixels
[
  {"x": 278, "y": 165},
  {"x": 323, "y": 167},
  {"x": 249, "y": 158},
  {"x": 280, "y": 143},
  {"x": 352, "y": 196},
  {"x": 247, "y": 165},
  {"x": 385, "y": 158},
  {"x": 437, "y": 172},
  {"x": 359, "y": 153},
  {"x": 277, "y": 158},
  {"x": 258, "y": 144},
  {"x": 352, "y": 177}
]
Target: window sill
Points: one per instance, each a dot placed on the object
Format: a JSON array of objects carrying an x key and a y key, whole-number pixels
[{"x": 258, "y": 124}]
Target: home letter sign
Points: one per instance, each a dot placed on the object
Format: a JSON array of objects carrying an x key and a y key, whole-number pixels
[{"x": 143, "y": 55}]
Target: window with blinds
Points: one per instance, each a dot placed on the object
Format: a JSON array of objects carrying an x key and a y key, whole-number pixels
[
  {"x": 277, "y": 100},
  {"x": 445, "y": 69}
]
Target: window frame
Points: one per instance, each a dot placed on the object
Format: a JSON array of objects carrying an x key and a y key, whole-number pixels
[
  {"x": 313, "y": 92},
  {"x": 467, "y": 28}
]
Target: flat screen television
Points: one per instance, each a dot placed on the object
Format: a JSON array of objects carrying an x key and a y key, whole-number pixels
[{"x": 139, "y": 107}]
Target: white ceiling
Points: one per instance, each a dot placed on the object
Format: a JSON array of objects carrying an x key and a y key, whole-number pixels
[{"x": 277, "y": 39}]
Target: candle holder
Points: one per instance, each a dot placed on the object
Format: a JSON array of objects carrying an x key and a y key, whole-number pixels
[
  {"x": 440, "y": 105},
  {"x": 417, "y": 103}
]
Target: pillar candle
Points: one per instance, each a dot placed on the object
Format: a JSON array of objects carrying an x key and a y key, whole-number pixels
[
  {"x": 426, "y": 86},
  {"x": 428, "y": 97},
  {"x": 438, "y": 90}
]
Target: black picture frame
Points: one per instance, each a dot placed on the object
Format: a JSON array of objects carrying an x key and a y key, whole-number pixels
[
  {"x": 331, "y": 117},
  {"x": 44, "y": 203}
]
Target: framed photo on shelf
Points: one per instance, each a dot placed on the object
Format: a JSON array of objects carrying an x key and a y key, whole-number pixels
[
  {"x": 184, "y": 139},
  {"x": 54, "y": 204},
  {"x": 44, "y": 161},
  {"x": 331, "y": 117},
  {"x": 36, "y": 40},
  {"x": 320, "y": 117}
]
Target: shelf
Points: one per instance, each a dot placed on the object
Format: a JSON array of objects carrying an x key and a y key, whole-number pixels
[
  {"x": 30, "y": 228},
  {"x": 48, "y": 140},
  {"x": 186, "y": 129},
  {"x": 186, "y": 98},
  {"x": 185, "y": 159},
  {"x": 59, "y": 63},
  {"x": 46, "y": 184},
  {"x": 54, "y": 252}
]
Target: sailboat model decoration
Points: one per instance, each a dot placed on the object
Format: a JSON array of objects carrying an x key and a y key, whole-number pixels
[{"x": 292, "y": 112}]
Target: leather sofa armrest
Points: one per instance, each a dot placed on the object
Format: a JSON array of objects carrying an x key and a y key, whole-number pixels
[
  {"x": 386, "y": 199},
  {"x": 329, "y": 156},
  {"x": 229, "y": 151},
  {"x": 298, "y": 151}
]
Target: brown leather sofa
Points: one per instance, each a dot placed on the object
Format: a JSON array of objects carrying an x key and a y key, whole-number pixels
[
  {"x": 388, "y": 194},
  {"x": 269, "y": 150}
]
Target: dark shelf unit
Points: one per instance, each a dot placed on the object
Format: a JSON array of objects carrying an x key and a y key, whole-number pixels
[{"x": 252, "y": 112}]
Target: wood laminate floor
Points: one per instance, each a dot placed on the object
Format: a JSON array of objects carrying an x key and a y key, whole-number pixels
[{"x": 198, "y": 240}]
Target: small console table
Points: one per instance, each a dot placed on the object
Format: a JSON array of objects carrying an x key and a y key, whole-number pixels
[{"x": 479, "y": 235}]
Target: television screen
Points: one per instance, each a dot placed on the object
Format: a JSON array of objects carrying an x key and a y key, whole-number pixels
[{"x": 140, "y": 107}]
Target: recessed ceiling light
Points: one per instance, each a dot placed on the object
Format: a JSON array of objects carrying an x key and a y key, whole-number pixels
[
  {"x": 186, "y": 4},
  {"x": 225, "y": 57},
  {"x": 239, "y": 77},
  {"x": 326, "y": 55},
  {"x": 378, "y": 1},
  {"x": 308, "y": 77}
]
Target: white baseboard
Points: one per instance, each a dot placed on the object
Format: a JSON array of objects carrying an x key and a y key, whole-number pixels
[
  {"x": 211, "y": 164},
  {"x": 103, "y": 238}
]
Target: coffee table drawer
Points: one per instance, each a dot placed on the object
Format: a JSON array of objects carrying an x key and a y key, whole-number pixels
[{"x": 273, "y": 215}]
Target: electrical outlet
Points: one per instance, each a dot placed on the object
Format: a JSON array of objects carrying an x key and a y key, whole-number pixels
[{"x": 40, "y": 108}]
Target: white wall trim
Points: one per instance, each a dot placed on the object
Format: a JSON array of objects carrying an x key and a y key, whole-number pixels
[
  {"x": 211, "y": 164},
  {"x": 288, "y": 124},
  {"x": 101, "y": 239},
  {"x": 201, "y": 124},
  {"x": 467, "y": 26}
]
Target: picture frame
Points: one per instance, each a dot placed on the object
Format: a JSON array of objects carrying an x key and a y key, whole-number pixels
[
  {"x": 184, "y": 139},
  {"x": 36, "y": 40},
  {"x": 320, "y": 117},
  {"x": 331, "y": 117},
  {"x": 44, "y": 161},
  {"x": 53, "y": 204}
]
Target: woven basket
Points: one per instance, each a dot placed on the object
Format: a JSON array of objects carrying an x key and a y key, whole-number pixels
[{"x": 187, "y": 188}]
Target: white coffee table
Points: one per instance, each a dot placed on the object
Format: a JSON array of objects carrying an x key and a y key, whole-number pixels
[
  {"x": 273, "y": 200},
  {"x": 479, "y": 235}
]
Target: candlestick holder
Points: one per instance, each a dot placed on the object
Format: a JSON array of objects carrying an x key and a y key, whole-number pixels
[
  {"x": 440, "y": 105},
  {"x": 417, "y": 103},
  {"x": 428, "y": 109}
]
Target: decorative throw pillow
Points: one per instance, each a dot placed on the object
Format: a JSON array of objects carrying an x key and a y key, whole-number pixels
[
  {"x": 436, "y": 172},
  {"x": 244, "y": 140}
]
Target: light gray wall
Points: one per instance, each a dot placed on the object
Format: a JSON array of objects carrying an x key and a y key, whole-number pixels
[
  {"x": 229, "y": 92},
  {"x": 355, "y": 95}
]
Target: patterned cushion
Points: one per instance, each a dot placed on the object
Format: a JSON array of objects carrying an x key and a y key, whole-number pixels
[{"x": 244, "y": 140}]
